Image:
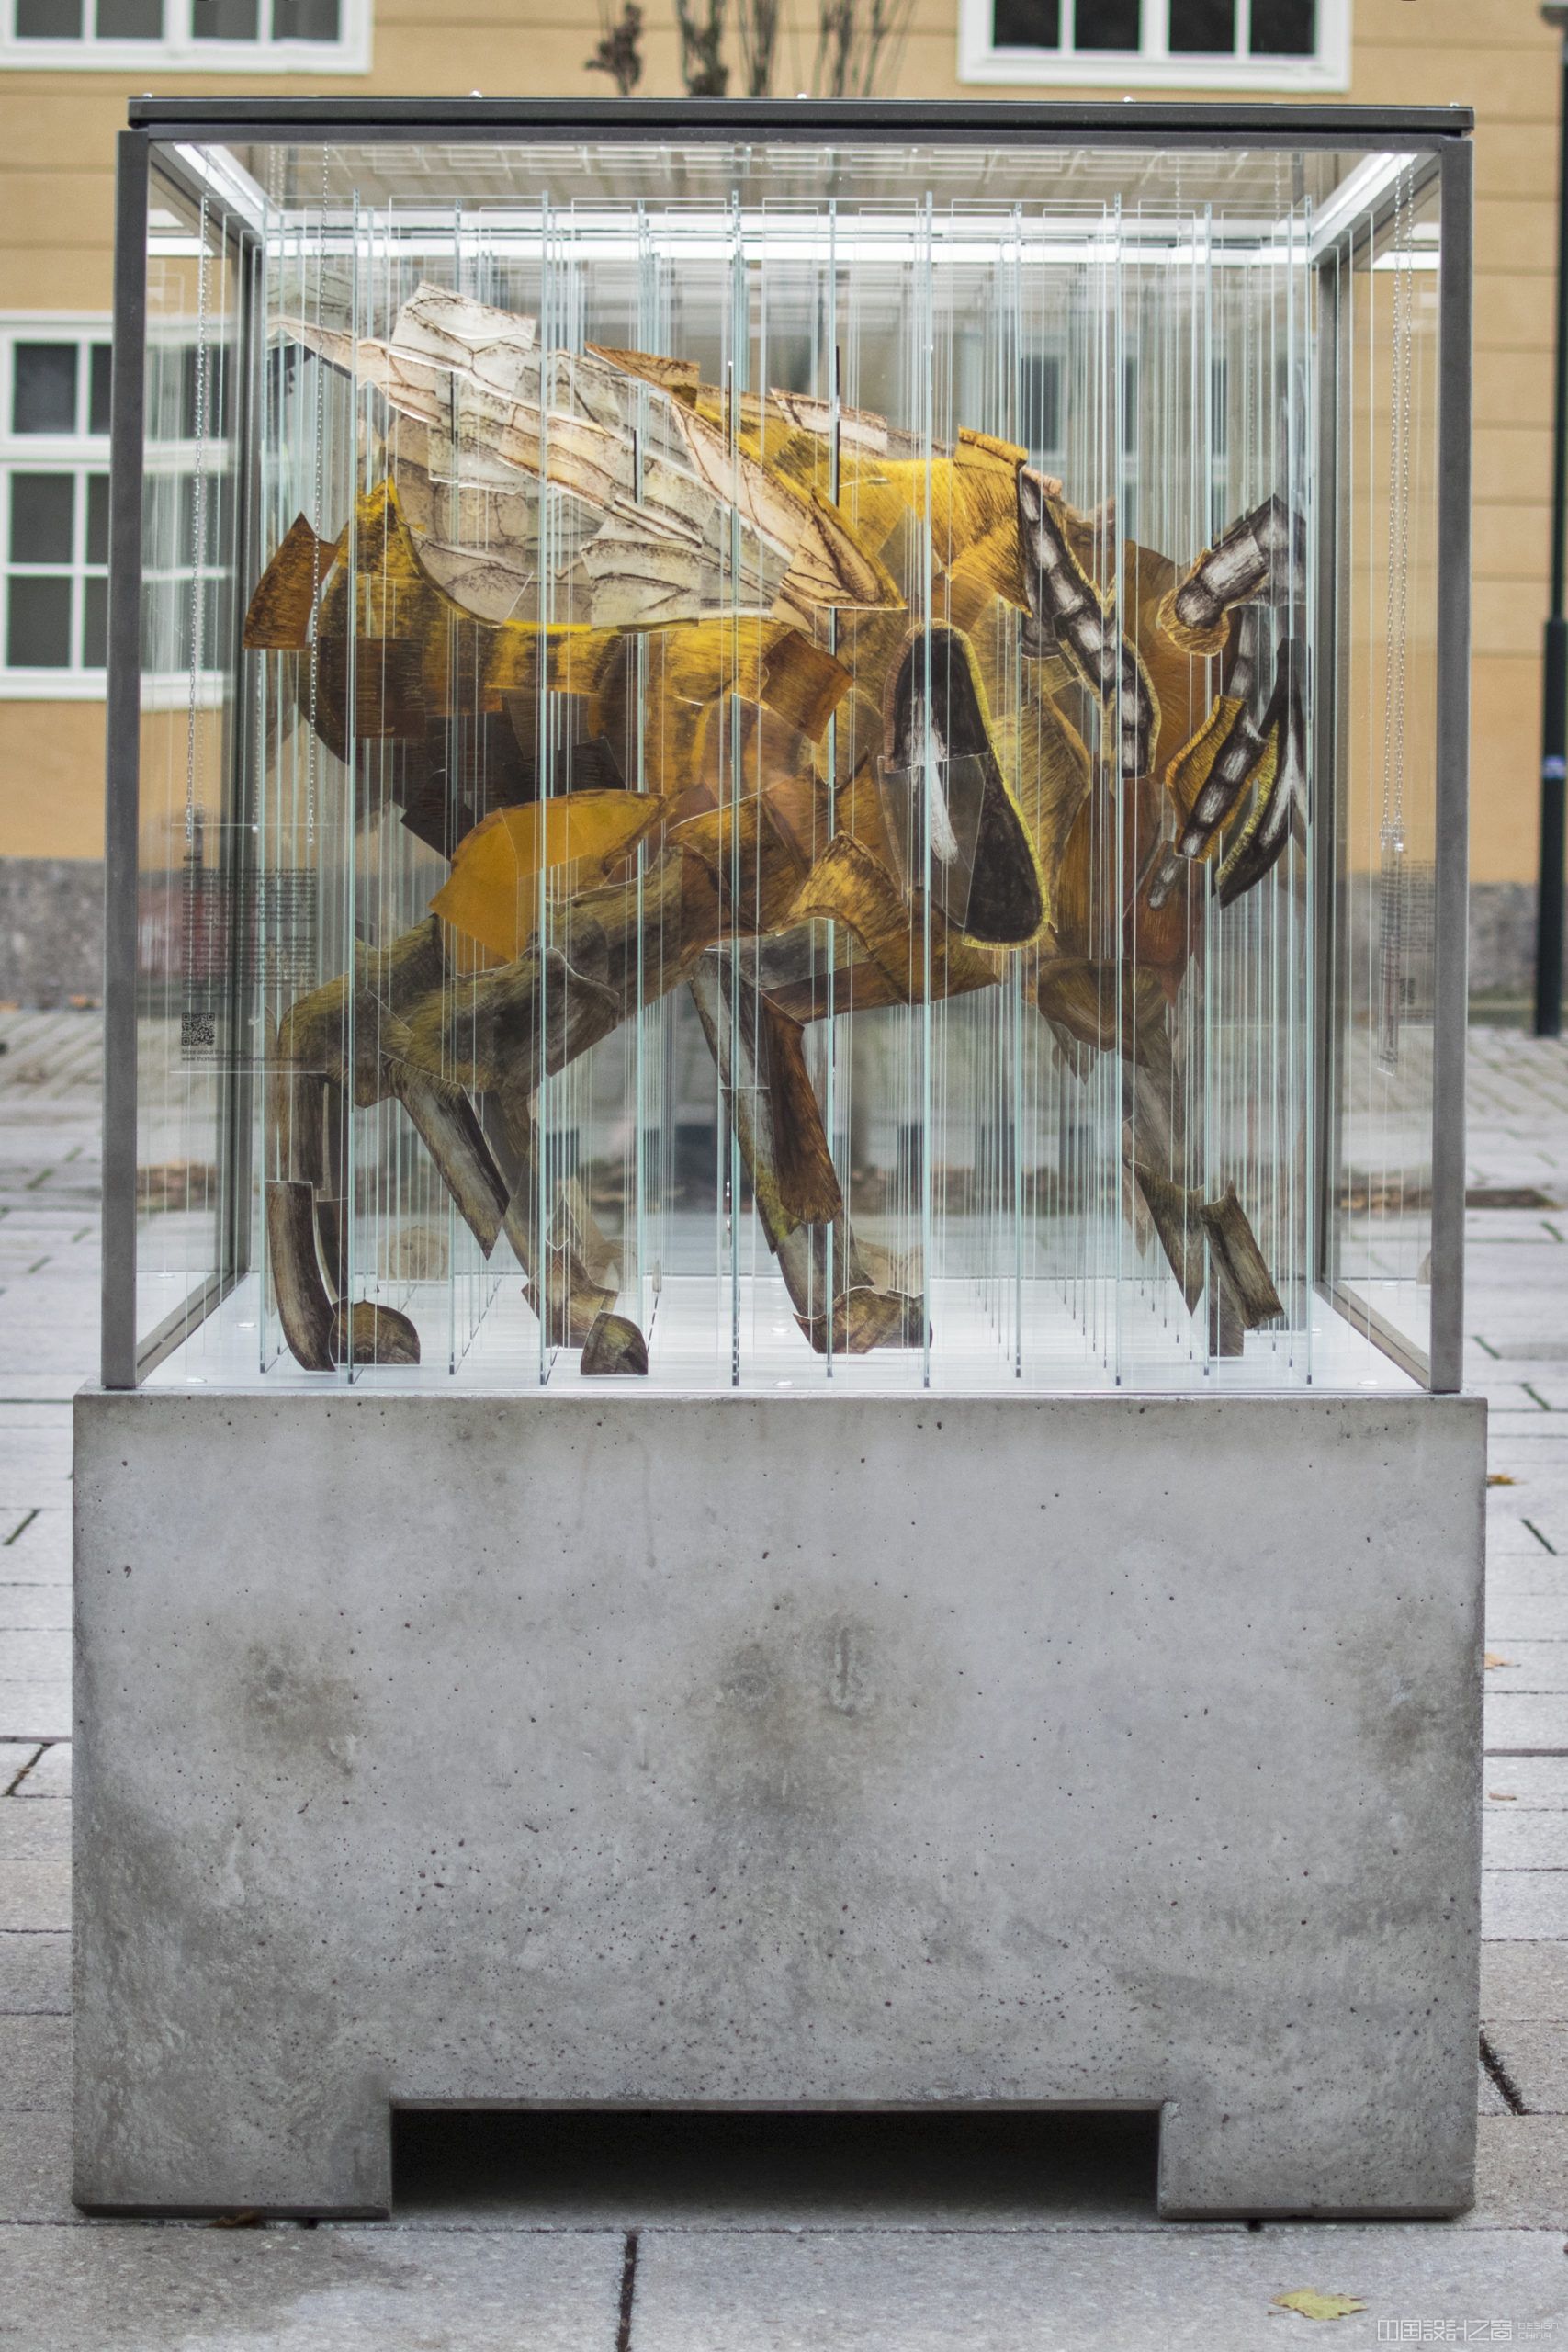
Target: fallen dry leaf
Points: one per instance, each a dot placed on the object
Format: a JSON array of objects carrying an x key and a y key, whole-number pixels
[
  {"x": 1500, "y": 1479},
  {"x": 1312, "y": 2305},
  {"x": 1502, "y": 1796},
  {"x": 1495, "y": 1657}
]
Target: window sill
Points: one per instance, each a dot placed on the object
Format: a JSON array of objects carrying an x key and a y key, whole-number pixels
[
  {"x": 51, "y": 685},
  {"x": 1044, "y": 69},
  {"x": 184, "y": 57}
]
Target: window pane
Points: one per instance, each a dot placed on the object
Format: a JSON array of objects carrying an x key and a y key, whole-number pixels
[
  {"x": 161, "y": 522},
  {"x": 1206, "y": 26},
  {"x": 1105, "y": 24},
  {"x": 48, "y": 19},
  {"x": 98, "y": 390},
  {"x": 43, "y": 394},
  {"x": 223, "y": 20},
  {"x": 304, "y": 19},
  {"x": 211, "y": 508},
  {"x": 1284, "y": 27},
  {"x": 1041, "y": 420},
  {"x": 40, "y": 517},
  {"x": 190, "y": 428},
  {"x": 97, "y": 518},
  {"x": 131, "y": 19},
  {"x": 215, "y": 623},
  {"x": 38, "y": 633},
  {"x": 1026, "y": 23},
  {"x": 94, "y": 624}
]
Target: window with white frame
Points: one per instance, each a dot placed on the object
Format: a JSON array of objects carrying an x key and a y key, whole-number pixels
[
  {"x": 55, "y": 507},
  {"x": 1170, "y": 44},
  {"x": 212, "y": 36}
]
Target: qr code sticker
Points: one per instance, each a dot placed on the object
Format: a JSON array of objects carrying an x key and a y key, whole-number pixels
[{"x": 199, "y": 1034}]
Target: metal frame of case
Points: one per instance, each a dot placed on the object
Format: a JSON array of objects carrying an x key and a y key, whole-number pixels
[{"x": 1439, "y": 134}]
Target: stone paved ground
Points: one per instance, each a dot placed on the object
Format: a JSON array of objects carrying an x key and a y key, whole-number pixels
[{"x": 869, "y": 2237}]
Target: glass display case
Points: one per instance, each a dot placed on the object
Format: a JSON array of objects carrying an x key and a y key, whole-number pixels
[{"x": 767, "y": 746}]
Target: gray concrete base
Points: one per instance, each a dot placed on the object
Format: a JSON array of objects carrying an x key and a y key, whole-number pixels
[{"x": 777, "y": 1753}]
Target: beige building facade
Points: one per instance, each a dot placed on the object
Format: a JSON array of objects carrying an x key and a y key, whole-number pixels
[{"x": 68, "y": 66}]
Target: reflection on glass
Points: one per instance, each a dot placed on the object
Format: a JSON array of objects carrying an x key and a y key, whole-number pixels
[
  {"x": 42, "y": 507},
  {"x": 1284, "y": 27},
  {"x": 131, "y": 19},
  {"x": 102, "y": 356},
  {"x": 1026, "y": 23},
  {"x": 97, "y": 518},
  {"x": 1207, "y": 26},
  {"x": 43, "y": 388},
  {"x": 305, "y": 19},
  {"x": 95, "y": 623},
  {"x": 1105, "y": 24},
  {"x": 48, "y": 19},
  {"x": 38, "y": 623},
  {"x": 223, "y": 20}
]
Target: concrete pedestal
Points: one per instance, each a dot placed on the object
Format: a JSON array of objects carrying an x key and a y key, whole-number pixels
[{"x": 804, "y": 1752}]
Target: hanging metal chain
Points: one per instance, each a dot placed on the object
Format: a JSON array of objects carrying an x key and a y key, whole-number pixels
[{"x": 1392, "y": 876}]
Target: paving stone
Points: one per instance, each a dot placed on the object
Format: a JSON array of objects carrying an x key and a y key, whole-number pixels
[
  {"x": 34, "y": 2065},
  {"x": 1534, "y": 2056},
  {"x": 1549, "y": 1397},
  {"x": 1524, "y": 1423},
  {"x": 1534, "y": 1839},
  {"x": 35, "y": 2176},
  {"x": 1534, "y": 1575},
  {"x": 35, "y": 1833},
  {"x": 42, "y": 1568},
  {"x": 121, "y": 2288},
  {"x": 1489, "y": 2100},
  {"x": 36, "y": 1710},
  {"x": 1515, "y": 1719},
  {"x": 39, "y": 1541},
  {"x": 34, "y": 1608},
  {"x": 35, "y": 1455},
  {"x": 1525, "y": 1524},
  {"x": 37, "y": 1656},
  {"x": 16, "y": 1754},
  {"x": 37, "y": 1893},
  {"x": 860, "y": 2292},
  {"x": 51, "y": 1776},
  {"x": 1511, "y": 1617},
  {"x": 1531, "y": 1905},
  {"x": 1509, "y": 1538},
  {"x": 1521, "y": 2173},
  {"x": 1528, "y": 1981},
  {"x": 34, "y": 1975}
]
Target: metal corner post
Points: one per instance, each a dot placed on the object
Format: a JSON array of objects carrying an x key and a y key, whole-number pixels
[
  {"x": 122, "y": 763},
  {"x": 1453, "y": 980},
  {"x": 1554, "y": 649}
]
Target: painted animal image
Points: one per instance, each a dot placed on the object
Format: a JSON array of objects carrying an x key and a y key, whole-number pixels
[{"x": 685, "y": 725}]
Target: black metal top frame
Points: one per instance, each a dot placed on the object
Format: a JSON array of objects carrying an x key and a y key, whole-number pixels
[{"x": 983, "y": 121}]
